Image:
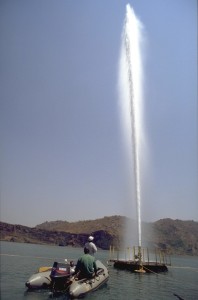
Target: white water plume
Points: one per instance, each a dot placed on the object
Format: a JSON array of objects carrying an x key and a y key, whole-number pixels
[{"x": 131, "y": 100}]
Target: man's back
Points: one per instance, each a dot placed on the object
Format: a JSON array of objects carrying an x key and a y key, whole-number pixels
[
  {"x": 86, "y": 265},
  {"x": 92, "y": 247}
]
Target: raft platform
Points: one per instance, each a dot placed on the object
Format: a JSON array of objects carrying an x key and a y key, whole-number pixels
[{"x": 140, "y": 260}]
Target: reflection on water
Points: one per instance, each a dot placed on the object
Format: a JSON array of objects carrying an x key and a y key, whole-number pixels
[{"x": 20, "y": 261}]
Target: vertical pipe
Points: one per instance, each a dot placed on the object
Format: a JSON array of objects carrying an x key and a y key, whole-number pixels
[
  {"x": 133, "y": 252},
  {"x": 148, "y": 255},
  {"x": 110, "y": 254},
  {"x": 143, "y": 254},
  {"x": 156, "y": 256}
]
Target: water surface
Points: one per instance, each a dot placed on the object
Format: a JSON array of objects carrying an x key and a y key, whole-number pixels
[{"x": 19, "y": 261}]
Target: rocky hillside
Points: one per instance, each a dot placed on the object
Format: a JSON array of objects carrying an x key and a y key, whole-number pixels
[
  {"x": 175, "y": 236},
  {"x": 113, "y": 225},
  {"x": 179, "y": 235}
]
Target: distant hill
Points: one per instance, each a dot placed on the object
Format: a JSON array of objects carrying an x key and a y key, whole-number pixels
[
  {"x": 113, "y": 225},
  {"x": 180, "y": 236},
  {"x": 175, "y": 236}
]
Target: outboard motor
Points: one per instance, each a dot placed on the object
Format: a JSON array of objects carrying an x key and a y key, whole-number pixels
[{"x": 60, "y": 276}]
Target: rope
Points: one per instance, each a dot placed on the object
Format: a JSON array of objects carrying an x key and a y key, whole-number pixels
[
  {"x": 178, "y": 296},
  {"x": 149, "y": 270}
]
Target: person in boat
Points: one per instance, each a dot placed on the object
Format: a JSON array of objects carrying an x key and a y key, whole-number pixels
[
  {"x": 86, "y": 266},
  {"x": 91, "y": 246}
]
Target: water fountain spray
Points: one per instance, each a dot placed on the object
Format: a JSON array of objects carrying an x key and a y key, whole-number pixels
[
  {"x": 131, "y": 96},
  {"x": 131, "y": 100}
]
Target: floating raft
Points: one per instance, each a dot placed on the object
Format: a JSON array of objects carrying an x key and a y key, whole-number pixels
[
  {"x": 151, "y": 267},
  {"x": 139, "y": 260}
]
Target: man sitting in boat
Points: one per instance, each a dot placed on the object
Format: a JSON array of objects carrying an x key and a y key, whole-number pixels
[
  {"x": 86, "y": 266},
  {"x": 91, "y": 246}
]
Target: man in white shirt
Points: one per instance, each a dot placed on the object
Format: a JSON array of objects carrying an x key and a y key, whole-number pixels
[{"x": 91, "y": 246}]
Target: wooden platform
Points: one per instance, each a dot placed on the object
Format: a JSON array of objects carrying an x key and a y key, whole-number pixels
[{"x": 151, "y": 267}]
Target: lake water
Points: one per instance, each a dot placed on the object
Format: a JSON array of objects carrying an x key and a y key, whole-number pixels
[{"x": 20, "y": 261}]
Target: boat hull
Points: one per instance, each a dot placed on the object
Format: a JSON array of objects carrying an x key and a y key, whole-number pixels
[{"x": 40, "y": 280}]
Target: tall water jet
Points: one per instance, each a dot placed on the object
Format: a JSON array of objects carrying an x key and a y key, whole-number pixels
[
  {"x": 130, "y": 91},
  {"x": 137, "y": 259}
]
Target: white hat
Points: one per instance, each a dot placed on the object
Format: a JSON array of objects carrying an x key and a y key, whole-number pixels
[{"x": 90, "y": 238}]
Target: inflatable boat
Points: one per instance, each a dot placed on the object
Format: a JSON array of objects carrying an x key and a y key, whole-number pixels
[
  {"x": 60, "y": 279},
  {"x": 79, "y": 288},
  {"x": 41, "y": 279}
]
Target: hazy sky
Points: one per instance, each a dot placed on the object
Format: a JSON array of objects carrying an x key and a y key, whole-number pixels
[{"x": 62, "y": 154}]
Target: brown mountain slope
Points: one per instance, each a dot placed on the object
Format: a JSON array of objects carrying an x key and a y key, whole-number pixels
[
  {"x": 176, "y": 236},
  {"x": 113, "y": 225}
]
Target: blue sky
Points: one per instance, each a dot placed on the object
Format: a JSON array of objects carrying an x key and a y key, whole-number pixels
[{"x": 62, "y": 156}]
